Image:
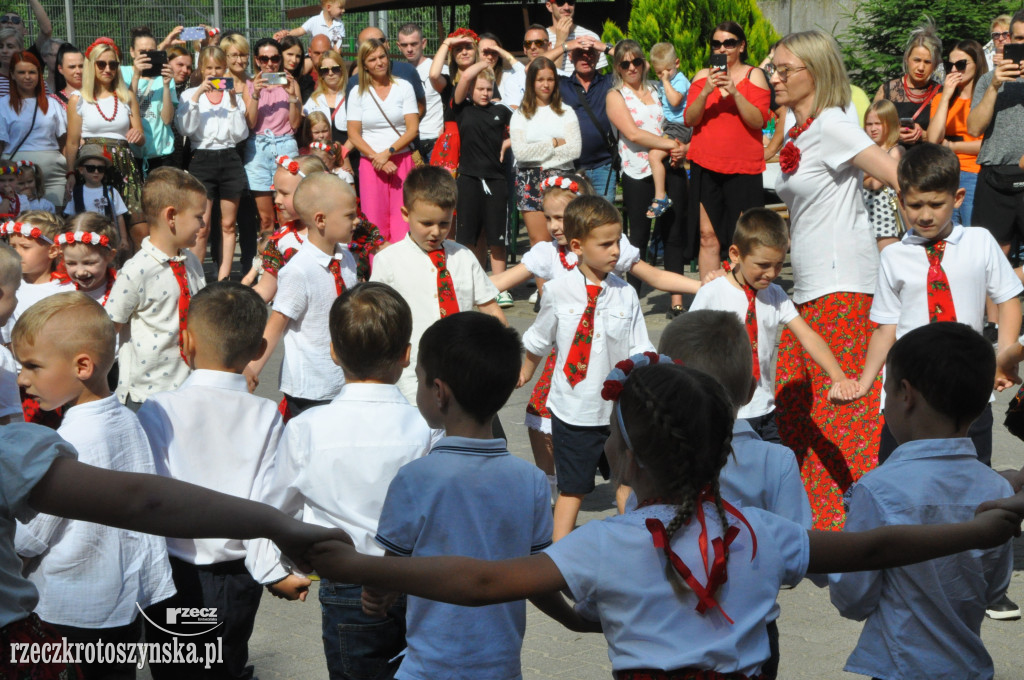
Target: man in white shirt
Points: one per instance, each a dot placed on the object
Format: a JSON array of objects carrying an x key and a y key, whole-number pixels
[
  {"x": 563, "y": 29},
  {"x": 412, "y": 43}
]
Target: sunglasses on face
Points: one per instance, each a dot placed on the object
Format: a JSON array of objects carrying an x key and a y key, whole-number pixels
[
  {"x": 263, "y": 59},
  {"x": 535, "y": 43},
  {"x": 958, "y": 65},
  {"x": 325, "y": 70},
  {"x": 104, "y": 65},
  {"x": 560, "y": 3},
  {"x": 1001, "y": 35},
  {"x": 93, "y": 168},
  {"x": 728, "y": 43},
  {"x": 638, "y": 62},
  {"x": 15, "y": 19}
]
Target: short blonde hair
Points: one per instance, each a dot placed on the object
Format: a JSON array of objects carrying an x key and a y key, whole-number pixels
[
  {"x": 236, "y": 40},
  {"x": 83, "y": 327},
  {"x": 50, "y": 224},
  {"x": 317, "y": 193},
  {"x": 169, "y": 187},
  {"x": 10, "y": 266},
  {"x": 214, "y": 54},
  {"x": 819, "y": 52},
  {"x": 1001, "y": 20},
  {"x": 663, "y": 55}
]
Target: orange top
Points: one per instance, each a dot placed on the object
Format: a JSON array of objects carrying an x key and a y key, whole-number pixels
[
  {"x": 722, "y": 142},
  {"x": 956, "y": 126}
]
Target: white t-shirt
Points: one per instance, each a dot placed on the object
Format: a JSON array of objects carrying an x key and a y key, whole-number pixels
[
  {"x": 513, "y": 85},
  {"x": 773, "y": 308},
  {"x": 377, "y": 132},
  {"x": 317, "y": 25},
  {"x": 95, "y": 201},
  {"x": 833, "y": 246},
  {"x": 39, "y": 136},
  {"x": 337, "y": 115},
  {"x": 94, "y": 124},
  {"x": 566, "y": 69},
  {"x": 433, "y": 120}
]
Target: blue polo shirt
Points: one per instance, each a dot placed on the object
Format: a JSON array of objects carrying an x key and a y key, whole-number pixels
[
  {"x": 595, "y": 151},
  {"x": 467, "y": 497}
]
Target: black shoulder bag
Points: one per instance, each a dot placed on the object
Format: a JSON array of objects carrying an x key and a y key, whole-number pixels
[{"x": 610, "y": 142}]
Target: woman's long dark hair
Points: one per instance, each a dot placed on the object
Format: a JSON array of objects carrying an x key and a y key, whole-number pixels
[
  {"x": 59, "y": 81},
  {"x": 529, "y": 104},
  {"x": 736, "y": 30},
  {"x": 291, "y": 41}
]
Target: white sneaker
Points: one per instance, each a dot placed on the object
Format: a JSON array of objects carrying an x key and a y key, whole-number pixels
[
  {"x": 505, "y": 300},
  {"x": 533, "y": 298}
]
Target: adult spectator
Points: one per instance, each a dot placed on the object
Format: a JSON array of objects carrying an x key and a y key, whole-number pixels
[
  {"x": 319, "y": 45},
  {"x": 997, "y": 115},
  {"x": 50, "y": 51},
  {"x": 399, "y": 69},
  {"x": 383, "y": 122},
  {"x": 913, "y": 92},
  {"x": 727, "y": 109},
  {"x": 180, "y": 61},
  {"x": 293, "y": 61},
  {"x": 535, "y": 42},
  {"x": 157, "y": 101},
  {"x": 999, "y": 34},
  {"x": 70, "y": 65},
  {"x": 106, "y": 113},
  {"x": 635, "y": 111},
  {"x": 460, "y": 50},
  {"x": 10, "y": 44},
  {"x": 509, "y": 72},
  {"x": 412, "y": 44},
  {"x": 236, "y": 49},
  {"x": 835, "y": 267},
  {"x": 328, "y": 98},
  {"x": 586, "y": 92},
  {"x": 274, "y": 113},
  {"x": 563, "y": 29},
  {"x": 33, "y": 126},
  {"x": 15, "y": 21},
  {"x": 948, "y": 124}
]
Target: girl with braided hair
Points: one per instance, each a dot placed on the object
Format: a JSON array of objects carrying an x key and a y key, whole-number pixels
[{"x": 641, "y": 577}]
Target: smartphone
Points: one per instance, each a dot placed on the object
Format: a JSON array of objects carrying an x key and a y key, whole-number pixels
[
  {"x": 718, "y": 62},
  {"x": 278, "y": 78},
  {"x": 222, "y": 84},
  {"x": 906, "y": 122},
  {"x": 157, "y": 59},
  {"x": 193, "y": 33}
]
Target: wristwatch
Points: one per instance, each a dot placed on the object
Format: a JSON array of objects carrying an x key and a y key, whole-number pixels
[
  {"x": 565, "y": 47},
  {"x": 607, "y": 49},
  {"x": 391, "y": 150}
]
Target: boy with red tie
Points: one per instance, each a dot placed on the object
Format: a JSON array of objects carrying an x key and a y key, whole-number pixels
[
  {"x": 436, "y": 277},
  {"x": 939, "y": 271},
  {"x": 594, "y": 320}
]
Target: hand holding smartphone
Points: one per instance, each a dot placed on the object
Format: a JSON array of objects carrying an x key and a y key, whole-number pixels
[
  {"x": 222, "y": 84},
  {"x": 906, "y": 123},
  {"x": 276, "y": 78},
  {"x": 718, "y": 62},
  {"x": 157, "y": 59},
  {"x": 193, "y": 33}
]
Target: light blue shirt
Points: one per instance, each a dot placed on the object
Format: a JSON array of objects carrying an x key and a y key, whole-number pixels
[
  {"x": 159, "y": 135},
  {"x": 674, "y": 114},
  {"x": 924, "y": 620},
  {"x": 468, "y": 497}
]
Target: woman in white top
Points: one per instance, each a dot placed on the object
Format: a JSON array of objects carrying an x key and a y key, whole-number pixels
[
  {"x": 214, "y": 121},
  {"x": 106, "y": 113},
  {"x": 545, "y": 139},
  {"x": 10, "y": 44},
  {"x": 383, "y": 120},
  {"x": 329, "y": 95},
  {"x": 835, "y": 265},
  {"x": 33, "y": 126},
  {"x": 635, "y": 112},
  {"x": 509, "y": 72}
]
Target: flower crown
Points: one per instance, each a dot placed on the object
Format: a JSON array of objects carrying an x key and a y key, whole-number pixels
[
  {"x": 22, "y": 164},
  {"x": 464, "y": 33},
  {"x": 616, "y": 380},
  {"x": 109, "y": 42},
  {"x": 11, "y": 228},
  {"x": 86, "y": 237},
  {"x": 320, "y": 146},
  {"x": 290, "y": 165},
  {"x": 561, "y": 183},
  {"x": 10, "y": 168}
]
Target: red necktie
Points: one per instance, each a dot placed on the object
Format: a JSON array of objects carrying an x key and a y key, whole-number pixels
[
  {"x": 751, "y": 323},
  {"x": 575, "y": 368},
  {"x": 446, "y": 299},
  {"x": 184, "y": 297},
  {"x": 940, "y": 299},
  {"x": 335, "y": 269}
]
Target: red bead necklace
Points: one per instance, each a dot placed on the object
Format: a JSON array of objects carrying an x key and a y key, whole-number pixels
[
  {"x": 565, "y": 263},
  {"x": 103, "y": 115}
]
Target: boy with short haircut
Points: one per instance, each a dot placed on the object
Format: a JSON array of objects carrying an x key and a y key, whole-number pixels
[
  {"x": 89, "y": 576},
  {"x": 759, "y": 474},
  {"x": 597, "y": 324},
  {"x": 153, "y": 289},
  {"x": 924, "y": 620},
  {"x": 335, "y": 463},
  {"x": 470, "y": 497},
  {"x": 213, "y": 433},
  {"x": 321, "y": 270},
  {"x": 756, "y": 256},
  {"x": 674, "y": 85},
  {"x": 939, "y": 271},
  {"x": 10, "y": 279},
  {"x": 437, "y": 277}
]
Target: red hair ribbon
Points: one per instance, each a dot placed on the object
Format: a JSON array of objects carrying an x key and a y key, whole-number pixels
[
  {"x": 321, "y": 146},
  {"x": 109, "y": 42}
]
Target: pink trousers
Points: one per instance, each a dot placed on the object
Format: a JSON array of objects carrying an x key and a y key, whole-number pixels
[{"x": 381, "y": 196}]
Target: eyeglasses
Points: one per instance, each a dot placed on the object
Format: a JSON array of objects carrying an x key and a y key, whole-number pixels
[
  {"x": 535, "y": 43},
  {"x": 638, "y": 62},
  {"x": 238, "y": 57},
  {"x": 93, "y": 168},
  {"x": 1000, "y": 35},
  {"x": 104, "y": 65},
  {"x": 264, "y": 59},
  {"x": 783, "y": 72},
  {"x": 728, "y": 43},
  {"x": 565, "y": 2},
  {"x": 958, "y": 65},
  {"x": 324, "y": 70},
  {"x": 15, "y": 19}
]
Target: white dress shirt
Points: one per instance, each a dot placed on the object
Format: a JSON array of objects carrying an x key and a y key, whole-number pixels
[
  {"x": 619, "y": 332},
  {"x": 208, "y": 125},
  {"x": 335, "y": 464},
  {"x": 305, "y": 292},
  {"x": 213, "y": 433},
  {"x": 924, "y": 620},
  {"x": 773, "y": 308},
  {"x": 91, "y": 575},
  {"x": 408, "y": 269},
  {"x": 542, "y": 259}
]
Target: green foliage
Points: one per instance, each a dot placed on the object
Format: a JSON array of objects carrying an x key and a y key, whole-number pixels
[
  {"x": 688, "y": 25},
  {"x": 873, "y": 43}
]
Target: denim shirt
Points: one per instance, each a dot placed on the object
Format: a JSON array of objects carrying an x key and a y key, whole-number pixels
[{"x": 595, "y": 152}]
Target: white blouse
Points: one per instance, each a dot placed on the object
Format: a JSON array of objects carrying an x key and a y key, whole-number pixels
[
  {"x": 318, "y": 102},
  {"x": 38, "y": 136},
  {"x": 208, "y": 125},
  {"x": 532, "y": 138},
  {"x": 647, "y": 117}
]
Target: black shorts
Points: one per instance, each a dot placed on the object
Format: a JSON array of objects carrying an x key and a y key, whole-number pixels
[
  {"x": 998, "y": 210},
  {"x": 577, "y": 451},
  {"x": 724, "y": 198},
  {"x": 482, "y": 205},
  {"x": 220, "y": 171}
]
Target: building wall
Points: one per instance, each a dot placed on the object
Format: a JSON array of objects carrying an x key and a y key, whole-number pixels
[{"x": 789, "y": 16}]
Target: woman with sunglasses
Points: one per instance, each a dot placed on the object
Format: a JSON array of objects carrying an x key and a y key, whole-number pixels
[
  {"x": 105, "y": 112},
  {"x": 33, "y": 126},
  {"x": 727, "y": 109},
  {"x": 913, "y": 92},
  {"x": 329, "y": 96},
  {"x": 835, "y": 267},
  {"x": 274, "y": 113},
  {"x": 949, "y": 113},
  {"x": 293, "y": 58},
  {"x": 459, "y": 51}
]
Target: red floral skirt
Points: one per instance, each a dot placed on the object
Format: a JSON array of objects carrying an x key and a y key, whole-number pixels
[
  {"x": 834, "y": 445},
  {"x": 28, "y": 631},
  {"x": 447, "y": 148}
]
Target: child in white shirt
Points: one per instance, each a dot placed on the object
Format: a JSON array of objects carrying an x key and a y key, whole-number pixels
[
  {"x": 10, "y": 279},
  {"x": 31, "y": 184},
  {"x": 92, "y": 193},
  {"x": 326, "y": 22},
  {"x": 91, "y": 578},
  {"x": 212, "y": 432}
]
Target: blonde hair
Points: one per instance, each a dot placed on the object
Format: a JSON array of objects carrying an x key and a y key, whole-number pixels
[
  {"x": 820, "y": 54},
  {"x": 214, "y": 54},
  {"x": 1001, "y": 20},
  {"x": 83, "y": 327},
  {"x": 94, "y": 223},
  {"x": 238, "y": 41},
  {"x": 10, "y": 266},
  {"x": 88, "y": 91},
  {"x": 585, "y": 188},
  {"x": 48, "y": 223},
  {"x": 623, "y": 49},
  {"x": 663, "y": 55},
  {"x": 367, "y": 48},
  {"x": 321, "y": 85},
  {"x": 453, "y": 68},
  {"x": 169, "y": 187},
  {"x": 487, "y": 74},
  {"x": 320, "y": 192},
  {"x": 890, "y": 119},
  {"x": 924, "y": 36}
]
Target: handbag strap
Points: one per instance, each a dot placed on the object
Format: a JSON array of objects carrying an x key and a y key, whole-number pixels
[
  {"x": 379, "y": 108},
  {"x": 31, "y": 126},
  {"x": 582, "y": 94}
]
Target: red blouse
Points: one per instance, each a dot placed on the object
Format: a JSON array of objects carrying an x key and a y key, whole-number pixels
[{"x": 722, "y": 142}]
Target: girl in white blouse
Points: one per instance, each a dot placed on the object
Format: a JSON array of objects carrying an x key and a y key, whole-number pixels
[{"x": 214, "y": 121}]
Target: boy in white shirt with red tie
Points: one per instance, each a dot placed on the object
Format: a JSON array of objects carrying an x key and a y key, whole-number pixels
[
  {"x": 436, "y": 277},
  {"x": 594, "y": 320},
  {"x": 307, "y": 286}
]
